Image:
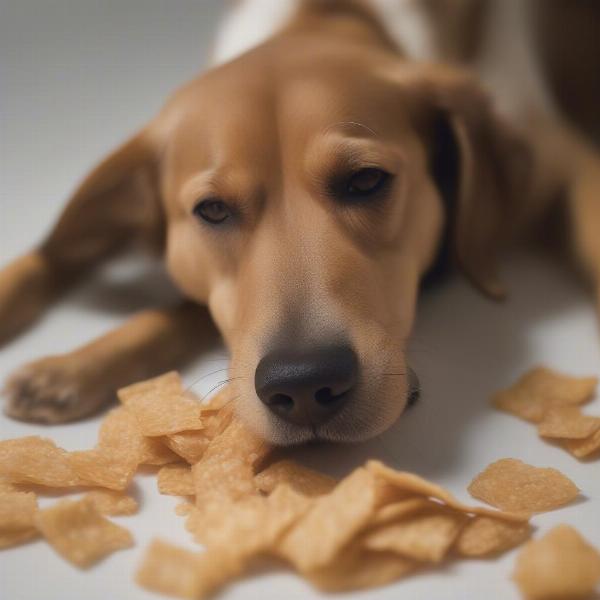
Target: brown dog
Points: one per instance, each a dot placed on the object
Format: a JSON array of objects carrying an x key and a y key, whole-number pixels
[{"x": 302, "y": 191}]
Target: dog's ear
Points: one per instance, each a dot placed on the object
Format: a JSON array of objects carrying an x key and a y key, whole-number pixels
[
  {"x": 117, "y": 202},
  {"x": 482, "y": 170}
]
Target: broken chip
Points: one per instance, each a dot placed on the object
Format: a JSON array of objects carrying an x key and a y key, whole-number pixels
[
  {"x": 300, "y": 478},
  {"x": 17, "y": 517},
  {"x": 585, "y": 447},
  {"x": 79, "y": 533},
  {"x": 425, "y": 535},
  {"x": 36, "y": 460},
  {"x": 513, "y": 485},
  {"x": 109, "y": 502},
  {"x": 175, "y": 480},
  {"x": 567, "y": 422},
  {"x": 486, "y": 536},
  {"x": 540, "y": 388},
  {"x": 167, "y": 384},
  {"x": 102, "y": 468},
  {"x": 559, "y": 565}
]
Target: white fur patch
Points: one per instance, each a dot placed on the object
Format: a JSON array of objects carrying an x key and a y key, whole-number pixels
[{"x": 249, "y": 24}]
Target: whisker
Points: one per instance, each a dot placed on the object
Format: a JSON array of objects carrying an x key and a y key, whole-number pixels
[{"x": 197, "y": 381}]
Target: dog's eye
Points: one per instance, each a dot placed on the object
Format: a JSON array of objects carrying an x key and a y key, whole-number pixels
[
  {"x": 212, "y": 211},
  {"x": 366, "y": 182}
]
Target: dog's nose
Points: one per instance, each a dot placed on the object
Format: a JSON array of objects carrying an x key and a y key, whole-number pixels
[{"x": 306, "y": 387}]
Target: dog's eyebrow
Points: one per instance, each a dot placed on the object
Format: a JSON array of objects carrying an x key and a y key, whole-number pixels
[{"x": 351, "y": 124}]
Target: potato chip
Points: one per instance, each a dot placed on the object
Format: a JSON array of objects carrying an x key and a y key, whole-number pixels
[
  {"x": 167, "y": 384},
  {"x": 225, "y": 472},
  {"x": 540, "y": 388},
  {"x": 586, "y": 447},
  {"x": 171, "y": 570},
  {"x": 160, "y": 414},
  {"x": 359, "y": 569},
  {"x": 17, "y": 510},
  {"x": 215, "y": 422},
  {"x": 510, "y": 484},
  {"x": 559, "y": 565},
  {"x": 300, "y": 478},
  {"x": 567, "y": 422},
  {"x": 121, "y": 434},
  {"x": 405, "y": 485},
  {"x": 333, "y": 520},
  {"x": 79, "y": 533},
  {"x": 485, "y": 536},
  {"x": 175, "y": 480},
  {"x": 189, "y": 445},
  {"x": 102, "y": 468},
  {"x": 426, "y": 535},
  {"x": 399, "y": 509},
  {"x": 250, "y": 526},
  {"x": 36, "y": 460},
  {"x": 184, "y": 509},
  {"x": 109, "y": 502},
  {"x": 17, "y": 517}
]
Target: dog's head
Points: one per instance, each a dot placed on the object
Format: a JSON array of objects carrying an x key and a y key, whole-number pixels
[{"x": 307, "y": 187}]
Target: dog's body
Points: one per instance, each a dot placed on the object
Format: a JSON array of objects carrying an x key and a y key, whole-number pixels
[{"x": 302, "y": 189}]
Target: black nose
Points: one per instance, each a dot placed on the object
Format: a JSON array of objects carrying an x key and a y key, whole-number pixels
[{"x": 306, "y": 387}]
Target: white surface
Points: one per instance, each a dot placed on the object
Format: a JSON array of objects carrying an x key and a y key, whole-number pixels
[{"x": 73, "y": 83}]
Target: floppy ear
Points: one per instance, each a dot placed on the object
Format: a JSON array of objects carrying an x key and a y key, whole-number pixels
[
  {"x": 116, "y": 204},
  {"x": 482, "y": 170}
]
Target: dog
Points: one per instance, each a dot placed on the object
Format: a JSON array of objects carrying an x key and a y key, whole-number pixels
[{"x": 335, "y": 156}]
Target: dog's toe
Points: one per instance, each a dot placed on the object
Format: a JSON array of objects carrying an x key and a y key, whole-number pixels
[{"x": 47, "y": 391}]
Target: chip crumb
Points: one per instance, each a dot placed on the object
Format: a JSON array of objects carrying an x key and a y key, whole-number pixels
[
  {"x": 513, "y": 485},
  {"x": 79, "y": 533},
  {"x": 560, "y": 565}
]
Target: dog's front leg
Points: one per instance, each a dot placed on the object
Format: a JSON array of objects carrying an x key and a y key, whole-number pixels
[{"x": 73, "y": 385}]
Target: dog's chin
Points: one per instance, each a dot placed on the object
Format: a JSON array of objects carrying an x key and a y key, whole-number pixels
[{"x": 344, "y": 427}]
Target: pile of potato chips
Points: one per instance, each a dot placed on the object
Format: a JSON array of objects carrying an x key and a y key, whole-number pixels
[
  {"x": 551, "y": 400},
  {"x": 242, "y": 503}
]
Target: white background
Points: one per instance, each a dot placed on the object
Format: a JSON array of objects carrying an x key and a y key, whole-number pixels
[{"x": 75, "y": 79}]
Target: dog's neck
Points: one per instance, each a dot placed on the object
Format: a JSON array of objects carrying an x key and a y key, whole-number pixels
[{"x": 397, "y": 24}]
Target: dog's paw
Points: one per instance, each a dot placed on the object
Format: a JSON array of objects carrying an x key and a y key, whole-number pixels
[{"x": 51, "y": 390}]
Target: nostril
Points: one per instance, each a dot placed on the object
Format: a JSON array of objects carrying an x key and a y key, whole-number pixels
[
  {"x": 325, "y": 396},
  {"x": 281, "y": 402}
]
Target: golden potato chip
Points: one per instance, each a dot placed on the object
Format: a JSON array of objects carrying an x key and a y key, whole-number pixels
[
  {"x": 36, "y": 460},
  {"x": 166, "y": 384},
  {"x": 298, "y": 477},
  {"x": 333, "y": 520},
  {"x": 79, "y": 533},
  {"x": 14, "y": 537},
  {"x": 102, "y": 468},
  {"x": 512, "y": 485},
  {"x": 586, "y": 447},
  {"x": 189, "y": 445},
  {"x": 218, "y": 401},
  {"x": 403, "y": 485},
  {"x": 160, "y": 414},
  {"x": 540, "y": 388},
  {"x": 171, "y": 570},
  {"x": 426, "y": 535},
  {"x": 358, "y": 569},
  {"x": 17, "y": 510},
  {"x": 250, "y": 526},
  {"x": 17, "y": 517},
  {"x": 215, "y": 422},
  {"x": 485, "y": 536},
  {"x": 175, "y": 480},
  {"x": 225, "y": 471},
  {"x": 559, "y": 565},
  {"x": 109, "y": 502},
  {"x": 121, "y": 434},
  {"x": 567, "y": 422},
  {"x": 399, "y": 509}
]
